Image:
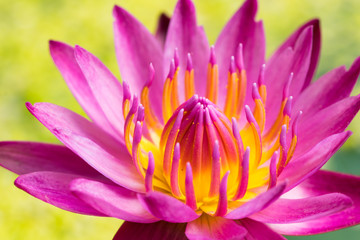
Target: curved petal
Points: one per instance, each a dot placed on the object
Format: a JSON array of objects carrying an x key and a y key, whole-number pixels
[
  {"x": 106, "y": 88},
  {"x": 91, "y": 143},
  {"x": 313, "y": 160},
  {"x": 241, "y": 28},
  {"x": 327, "y": 90},
  {"x": 315, "y": 50},
  {"x": 167, "y": 208},
  {"x": 53, "y": 188},
  {"x": 324, "y": 182},
  {"x": 259, "y": 231},
  {"x": 290, "y": 58},
  {"x": 187, "y": 37},
  {"x": 159, "y": 230},
  {"x": 113, "y": 201},
  {"x": 214, "y": 228},
  {"x": 28, "y": 157},
  {"x": 64, "y": 59},
  {"x": 331, "y": 120},
  {"x": 257, "y": 204},
  {"x": 134, "y": 54},
  {"x": 305, "y": 209}
]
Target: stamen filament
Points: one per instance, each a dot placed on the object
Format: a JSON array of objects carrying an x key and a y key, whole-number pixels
[
  {"x": 170, "y": 144},
  {"x": 212, "y": 78},
  {"x": 174, "y": 177},
  {"x": 256, "y": 133},
  {"x": 283, "y": 152},
  {"x": 231, "y": 90},
  {"x": 126, "y": 99},
  {"x": 150, "y": 173},
  {"x": 221, "y": 209},
  {"x": 244, "y": 173},
  {"x": 262, "y": 87},
  {"x": 293, "y": 138},
  {"x": 166, "y": 104},
  {"x": 272, "y": 170},
  {"x": 189, "y": 78},
  {"x": 259, "y": 111},
  {"x": 136, "y": 154},
  {"x": 215, "y": 170},
  {"x": 189, "y": 188}
]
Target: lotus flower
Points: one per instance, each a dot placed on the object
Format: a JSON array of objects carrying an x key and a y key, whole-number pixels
[{"x": 197, "y": 142}]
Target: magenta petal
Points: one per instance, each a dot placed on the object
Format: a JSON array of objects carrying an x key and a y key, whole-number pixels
[
  {"x": 106, "y": 88},
  {"x": 214, "y": 228},
  {"x": 258, "y": 203},
  {"x": 315, "y": 50},
  {"x": 324, "y": 182},
  {"x": 327, "y": 90},
  {"x": 158, "y": 231},
  {"x": 313, "y": 160},
  {"x": 113, "y": 201},
  {"x": 300, "y": 210},
  {"x": 187, "y": 37},
  {"x": 296, "y": 59},
  {"x": 331, "y": 120},
  {"x": 259, "y": 231},
  {"x": 241, "y": 28},
  {"x": 64, "y": 59},
  {"x": 167, "y": 207},
  {"x": 136, "y": 48},
  {"x": 53, "y": 188},
  {"x": 91, "y": 143},
  {"x": 28, "y": 157}
]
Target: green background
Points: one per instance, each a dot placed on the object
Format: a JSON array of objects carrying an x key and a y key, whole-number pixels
[{"x": 28, "y": 74}]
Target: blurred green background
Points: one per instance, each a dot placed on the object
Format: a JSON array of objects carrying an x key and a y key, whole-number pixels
[{"x": 28, "y": 74}]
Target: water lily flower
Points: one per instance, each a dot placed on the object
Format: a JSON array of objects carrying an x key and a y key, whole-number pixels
[{"x": 198, "y": 141}]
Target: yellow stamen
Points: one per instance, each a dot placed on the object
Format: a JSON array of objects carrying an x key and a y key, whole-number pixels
[
  {"x": 166, "y": 104},
  {"x": 241, "y": 92},
  {"x": 212, "y": 82},
  {"x": 189, "y": 84}
]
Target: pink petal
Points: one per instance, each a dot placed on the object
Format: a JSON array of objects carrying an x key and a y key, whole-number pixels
[
  {"x": 330, "y": 88},
  {"x": 290, "y": 58},
  {"x": 306, "y": 165},
  {"x": 330, "y": 120},
  {"x": 305, "y": 209},
  {"x": 324, "y": 182},
  {"x": 257, "y": 204},
  {"x": 167, "y": 207},
  {"x": 28, "y": 157},
  {"x": 134, "y": 54},
  {"x": 63, "y": 56},
  {"x": 187, "y": 37},
  {"x": 315, "y": 50},
  {"x": 106, "y": 88},
  {"x": 91, "y": 143},
  {"x": 113, "y": 201},
  {"x": 158, "y": 231},
  {"x": 241, "y": 28},
  {"x": 53, "y": 188},
  {"x": 259, "y": 231},
  {"x": 214, "y": 228},
  {"x": 162, "y": 28}
]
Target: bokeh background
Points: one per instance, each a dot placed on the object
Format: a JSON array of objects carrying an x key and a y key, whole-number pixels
[{"x": 28, "y": 74}]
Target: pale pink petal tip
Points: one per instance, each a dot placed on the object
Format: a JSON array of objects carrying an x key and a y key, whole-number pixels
[
  {"x": 232, "y": 68},
  {"x": 212, "y": 60},
  {"x": 189, "y": 63},
  {"x": 255, "y": 91}
]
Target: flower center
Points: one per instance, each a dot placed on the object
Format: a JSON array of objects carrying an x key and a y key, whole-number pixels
[{"x": 200, "y": 155}]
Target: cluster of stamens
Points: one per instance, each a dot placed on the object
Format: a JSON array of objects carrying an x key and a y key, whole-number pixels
[{"x": 200, "y": 155}]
